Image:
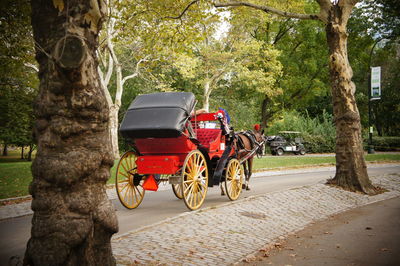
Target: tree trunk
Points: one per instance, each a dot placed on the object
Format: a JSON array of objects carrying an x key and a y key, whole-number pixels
[
  {"x": 30, "y": 152},
  {"x": 5, "y": 149},
  {"x": 206, "y": 101},
  {"x": 264, "y": 111},
  {"x": 22, "y": 151},
  {"x": 73, "y": 219},
  {"x": 351, "y": 169},
  {"x": 113, "y": 128}
]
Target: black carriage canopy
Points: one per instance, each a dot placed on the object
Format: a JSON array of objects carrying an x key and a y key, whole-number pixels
[{"x": 158, "y": 115}]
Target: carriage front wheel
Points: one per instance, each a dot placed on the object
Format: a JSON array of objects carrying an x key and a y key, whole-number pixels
[
  {"x": 234, "y": 179},
  {"x": 194, "y": 180},
  {"x": 128, "y": 183}
]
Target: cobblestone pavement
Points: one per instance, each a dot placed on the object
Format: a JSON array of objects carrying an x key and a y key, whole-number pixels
[{"x": 226, "y": 234}]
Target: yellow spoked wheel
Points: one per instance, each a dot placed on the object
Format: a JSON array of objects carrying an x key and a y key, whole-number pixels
[
  {"x": 177, "y": 189},
  {"x": 128, "y": 182},
  {"x": 194, "y": 180},
  {"x": 234, "y": 179}
]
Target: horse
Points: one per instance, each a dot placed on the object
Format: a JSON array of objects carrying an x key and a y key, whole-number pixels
[{"x": 244, "y": 144}]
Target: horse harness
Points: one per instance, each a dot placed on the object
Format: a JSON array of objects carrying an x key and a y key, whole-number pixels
[{"x": 255, "y": 145}]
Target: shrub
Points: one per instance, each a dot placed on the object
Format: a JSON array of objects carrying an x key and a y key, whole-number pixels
[
  {"x": 384, "y": 143},
  {"x": 318, "y": 133}
]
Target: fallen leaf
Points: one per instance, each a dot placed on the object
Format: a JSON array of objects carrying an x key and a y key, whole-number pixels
[
  {"x": 293, "y": 255},
  {"x": 327, "y": 233},
  {"x": 249, "y": 258},
  {"x": 384, "y": 249}
]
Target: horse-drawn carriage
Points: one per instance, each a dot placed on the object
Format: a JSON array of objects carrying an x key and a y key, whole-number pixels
[{"x": 171, "y": 143}]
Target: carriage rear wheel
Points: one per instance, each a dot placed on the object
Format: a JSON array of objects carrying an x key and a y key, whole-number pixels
[
  {"x": 177, "y": 189},
  {"x": 194, "y": 180},
  {"x": 234, "y": 179},
  {"x": 128, "y": 183}
]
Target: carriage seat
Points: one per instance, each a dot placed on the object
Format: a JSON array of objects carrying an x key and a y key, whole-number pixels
[{"x": 209, "y": 138}]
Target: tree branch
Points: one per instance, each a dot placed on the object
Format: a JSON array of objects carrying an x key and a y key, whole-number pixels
[
  {"x": 298, "y": 93},
  {"x": 324, "y": 7},
  {"x": 184, "y": 11},
  {"x": 269, "y": 9},
  {"x": 282, "y": 31},
  {"x": 110, "y": 68},
  {"x": 104, "y": 87},
  {"x": 136, "y": 73}
]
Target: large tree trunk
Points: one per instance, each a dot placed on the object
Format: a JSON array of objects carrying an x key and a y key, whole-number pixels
[
  {"x": 351, "y": 169},
  {"x": 73, "y": 219}
]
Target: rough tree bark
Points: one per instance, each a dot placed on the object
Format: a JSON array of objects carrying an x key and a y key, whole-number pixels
[
  {"x": 73, "y": 219},
  {"x": 351, "y": 170}
]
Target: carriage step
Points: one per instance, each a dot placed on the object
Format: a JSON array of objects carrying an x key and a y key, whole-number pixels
[{"x": 175, "y": 180}]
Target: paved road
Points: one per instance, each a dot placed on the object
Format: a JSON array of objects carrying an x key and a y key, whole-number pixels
[{"x": 161, "y": 205}]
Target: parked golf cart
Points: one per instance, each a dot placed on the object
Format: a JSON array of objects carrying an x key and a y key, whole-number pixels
[{"x": 286, "y": 141}]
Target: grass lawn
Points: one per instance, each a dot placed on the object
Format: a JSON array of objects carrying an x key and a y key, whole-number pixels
[
  {"x": 15, "y": 176},
  {"x": 271, "y": 162}
]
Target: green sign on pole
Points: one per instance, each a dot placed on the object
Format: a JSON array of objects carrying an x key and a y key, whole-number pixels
[{"x": 375, "y": 83}]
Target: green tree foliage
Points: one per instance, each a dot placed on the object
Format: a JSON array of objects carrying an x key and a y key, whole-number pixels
[
  {"x": 234, "y": 60},
  {"x": 386, "y": 112},
  {"x": 18, "y": 74},
  {"x": 303, "y": 55},
  {"x": 373, "y": 41}
]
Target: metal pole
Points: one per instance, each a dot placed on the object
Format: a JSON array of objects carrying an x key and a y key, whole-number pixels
[
  {"x": 370, "y": 129},
  {"x": 370, "y": 146}
]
